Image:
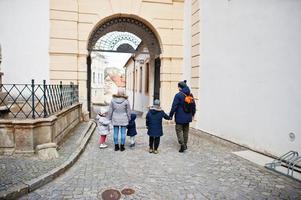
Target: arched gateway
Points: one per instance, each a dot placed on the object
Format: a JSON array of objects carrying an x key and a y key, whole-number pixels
[{"x": 137, "y": 26}]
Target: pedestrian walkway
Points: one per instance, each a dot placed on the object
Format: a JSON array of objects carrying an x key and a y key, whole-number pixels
[
  {"x": 207, "y": 170},
  {"x": 16, "y": 170}
]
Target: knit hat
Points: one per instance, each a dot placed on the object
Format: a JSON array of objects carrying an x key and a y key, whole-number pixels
[
  {"x": 182, "y": 84},
  {"x": 157, "y": 102}
]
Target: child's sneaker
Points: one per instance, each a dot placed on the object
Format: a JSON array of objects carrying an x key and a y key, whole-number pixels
[
  {"x": 156, "y": 152},
  {"x": 102, "y": 146},
  {"x": 132, "y": 145},
  {"x": 151, "y": 151}
]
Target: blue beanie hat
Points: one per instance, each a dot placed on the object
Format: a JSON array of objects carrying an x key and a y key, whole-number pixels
[
  {"x": 157, "y": 102},
  {"x": 182, "y": 84}
]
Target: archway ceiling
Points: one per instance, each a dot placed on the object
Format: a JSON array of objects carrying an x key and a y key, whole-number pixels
[
  {"x": 126, "y": 24},
  {"x": 112, "y": 40}
]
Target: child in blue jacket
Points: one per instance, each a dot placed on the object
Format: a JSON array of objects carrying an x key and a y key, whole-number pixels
[
  {"x": 154, "y": 126},
  {"x": 132, "y": 129}
]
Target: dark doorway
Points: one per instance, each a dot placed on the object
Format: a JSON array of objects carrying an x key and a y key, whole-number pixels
[
  {"x": 89, "y": 62},
  {"x": 157, "y": 78}
]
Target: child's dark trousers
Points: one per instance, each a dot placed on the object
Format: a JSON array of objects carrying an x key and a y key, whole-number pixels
[{"x": 154, "y": 142}]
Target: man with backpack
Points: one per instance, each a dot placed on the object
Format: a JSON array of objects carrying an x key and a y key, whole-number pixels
[{"x": 183, "y": 107}]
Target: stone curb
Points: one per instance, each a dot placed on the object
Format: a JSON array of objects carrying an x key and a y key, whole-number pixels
[{"x": 29, "y": 186}]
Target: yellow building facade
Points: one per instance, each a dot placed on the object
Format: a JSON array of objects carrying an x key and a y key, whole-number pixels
[{"x": 72, "y": 23}]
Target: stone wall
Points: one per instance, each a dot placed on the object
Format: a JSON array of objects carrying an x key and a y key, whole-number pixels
[{"x": 22, "y": 136}]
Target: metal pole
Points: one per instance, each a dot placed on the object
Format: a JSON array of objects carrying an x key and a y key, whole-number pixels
[
  {"x": 72, "y": 91},
  {"x": 44, "y": 94},
  {"x": 32, "y": 99},
  {"x": 125, "y": 77},
  {"x": 61, "y": 95},
  {"x": 134, "y": 78}
]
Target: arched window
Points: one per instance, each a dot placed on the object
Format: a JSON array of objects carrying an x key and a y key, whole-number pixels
[{"x": 115, "y": 39}]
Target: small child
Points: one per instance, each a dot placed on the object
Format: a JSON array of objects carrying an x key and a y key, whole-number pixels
[
  {"x": 154, "y": 126},
  {"x": 104, "y": 128},
  {"x": 132, "y": 129}
]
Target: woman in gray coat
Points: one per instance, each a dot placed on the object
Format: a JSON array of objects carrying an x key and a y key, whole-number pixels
[{"x": 120, "y": 115}]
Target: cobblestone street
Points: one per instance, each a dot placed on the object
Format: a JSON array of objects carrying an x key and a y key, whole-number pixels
[
  {"x": 17, "y": 169},
  {"x": 208, "y": 170}
]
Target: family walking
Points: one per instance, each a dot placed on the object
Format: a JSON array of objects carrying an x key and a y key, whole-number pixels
[{"x": 120, "y": 119}]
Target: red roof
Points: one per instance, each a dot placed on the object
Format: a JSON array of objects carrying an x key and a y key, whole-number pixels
[{"x": 118, "y": 80}]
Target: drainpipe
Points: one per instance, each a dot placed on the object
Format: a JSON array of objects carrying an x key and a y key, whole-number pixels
[{"x": 125, "y": 72}]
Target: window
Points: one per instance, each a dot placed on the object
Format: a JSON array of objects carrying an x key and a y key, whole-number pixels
[
  {"x": 146, "y": 78},
  {"x": 101, "y": 78},
  {"x": 93, "y": 77},
  {"x": 133, "y": 78},
  {"x": 130, "y": 81},
  {"x": 140, "y": 83},
  {"x": 98, "y": 78}
]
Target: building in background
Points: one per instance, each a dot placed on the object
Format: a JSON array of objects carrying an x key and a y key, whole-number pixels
[
  {"x": 138, "y": 80},
  {"x": 112, "y": 83},
  {"x": 98, "y": 67}
]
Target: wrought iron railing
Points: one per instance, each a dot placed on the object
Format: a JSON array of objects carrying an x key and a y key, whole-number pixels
[{"x": 35, "y": 100}]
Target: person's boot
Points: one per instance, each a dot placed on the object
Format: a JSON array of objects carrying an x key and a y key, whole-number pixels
[
  {"x": 116, "y": 147},
  {"x": 182, "y": 149},
  {"x": 122, "y": 147},
  {"x": 185, "y": 147}
]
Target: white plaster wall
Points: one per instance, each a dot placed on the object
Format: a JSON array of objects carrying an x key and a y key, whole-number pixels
[
  {"x": 24, "y": 37},
  {"x": 250, "y": 72},
  {"x": 129, "y": 93},
  {"x": 187, "y": 42},
  {"x": 141, "y": 102}
]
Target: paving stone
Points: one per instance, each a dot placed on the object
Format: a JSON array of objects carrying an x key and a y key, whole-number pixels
[
  {"x": 207, "y": 170},
  {"x": 19, "y": 169}
]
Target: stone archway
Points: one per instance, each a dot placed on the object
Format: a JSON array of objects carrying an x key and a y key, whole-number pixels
[
  {"x": 137, "y": 26},
  {"x": 131, "y": 24}
]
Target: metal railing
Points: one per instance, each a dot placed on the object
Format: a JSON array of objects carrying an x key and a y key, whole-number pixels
[
  {"x": 35, "y": 100},
  {"x": 290, "y": 160}
]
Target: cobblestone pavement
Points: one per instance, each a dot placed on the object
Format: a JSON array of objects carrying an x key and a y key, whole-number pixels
[
  {"x": 208, "y": 170},
  {"x": 19, "y": 168}
]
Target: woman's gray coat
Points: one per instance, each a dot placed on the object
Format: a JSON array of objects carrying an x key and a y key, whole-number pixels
[{"x": 119, "y": 111}]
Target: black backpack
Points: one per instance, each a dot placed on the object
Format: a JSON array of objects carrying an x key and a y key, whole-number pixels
[{"x": 188, "y": 103}]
